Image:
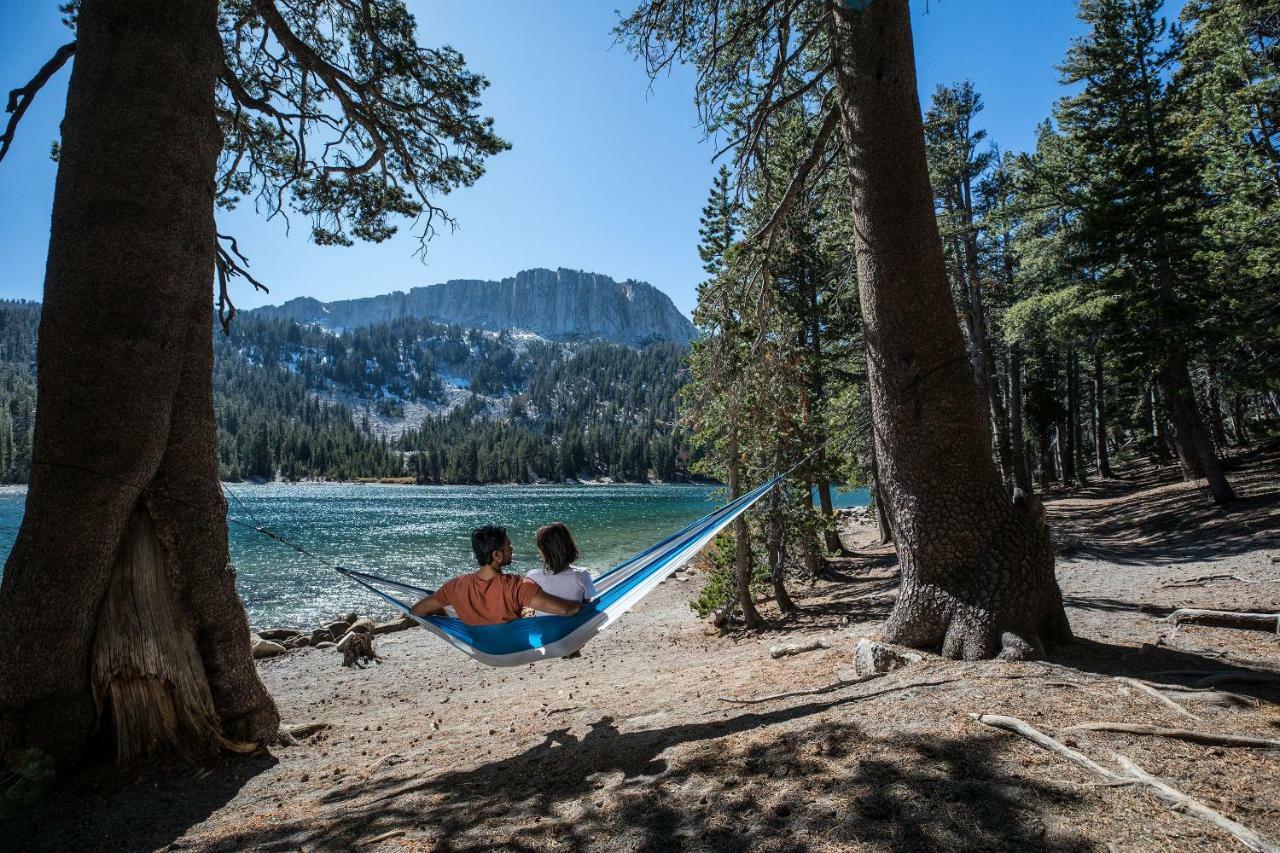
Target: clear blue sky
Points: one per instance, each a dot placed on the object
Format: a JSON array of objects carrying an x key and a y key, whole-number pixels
[{"x": 604, "y": 175}]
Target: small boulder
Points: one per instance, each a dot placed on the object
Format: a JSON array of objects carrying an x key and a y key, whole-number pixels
[
  {"x": 402, "y": 623},
  {"x": 321, "y": 635},
  {"x": 870, "y": 657},
  {"x": 298, "y": 642},
  {"x": 349, "y": 617},
  {"x": 337, "y": 629},
  {"x": 363, "y": 626},
  {"x": 267, "y": 649},
  {"x": 324, "y": 644},
  {"x": 278, "y": 634}
]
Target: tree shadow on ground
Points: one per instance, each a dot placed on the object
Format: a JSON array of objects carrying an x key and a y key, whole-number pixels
[
  {"x": 146, "y": 809},
  {"x": 1166, "y": 665},
  {"x": 737, "y": 783},
  {"x": 1156, "y": 517}
]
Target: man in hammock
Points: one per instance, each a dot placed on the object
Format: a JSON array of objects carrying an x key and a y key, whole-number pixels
[{"x": 490, "y": 596}]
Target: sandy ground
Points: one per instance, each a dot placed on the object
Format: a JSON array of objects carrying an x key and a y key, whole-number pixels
[{"x": 631, "y": 747}]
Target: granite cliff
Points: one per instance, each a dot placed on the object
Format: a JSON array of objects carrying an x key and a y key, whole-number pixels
[{"x": 558, "y": 305}]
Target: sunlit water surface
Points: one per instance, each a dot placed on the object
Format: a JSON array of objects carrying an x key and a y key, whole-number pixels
[{"x": 419, "y": 534}]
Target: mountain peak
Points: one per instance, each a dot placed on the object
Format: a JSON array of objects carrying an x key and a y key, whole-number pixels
[{"x": 560, "y": 304}]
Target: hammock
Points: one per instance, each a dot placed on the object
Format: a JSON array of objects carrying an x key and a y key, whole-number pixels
[{"x": 620, "y": 588}]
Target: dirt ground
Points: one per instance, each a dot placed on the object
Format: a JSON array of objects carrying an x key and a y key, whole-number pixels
[{"x": 631, "y": 747}]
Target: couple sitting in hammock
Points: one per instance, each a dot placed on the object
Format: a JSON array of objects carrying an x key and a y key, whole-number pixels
[{"x": 489, "y": 596}]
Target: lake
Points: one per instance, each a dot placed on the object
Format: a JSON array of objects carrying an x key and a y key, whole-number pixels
[{"x": 419, "y": 534}]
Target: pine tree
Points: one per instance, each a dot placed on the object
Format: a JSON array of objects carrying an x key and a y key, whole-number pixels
[{"x": 1132, "y": 193}]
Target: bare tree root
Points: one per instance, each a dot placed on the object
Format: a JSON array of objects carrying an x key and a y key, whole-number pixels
[
  {"x": 1227, "y": 619},
  {"x": 1206, "y": 738},
  {"x": 1133, "y": 774},
  {"x": 1157, "y": 695},
  {"x": 1179, "y": 801}
]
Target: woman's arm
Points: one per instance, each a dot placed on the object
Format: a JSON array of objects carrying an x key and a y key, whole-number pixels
[{"x": 554, "y": 604}]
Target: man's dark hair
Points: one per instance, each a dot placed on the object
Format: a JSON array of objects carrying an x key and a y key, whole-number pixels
[
  {"x": 556, "y": 546},
  {"x": 485, "y": 540}
]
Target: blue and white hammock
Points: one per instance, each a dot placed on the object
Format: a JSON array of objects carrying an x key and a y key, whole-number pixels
[{"x": 620, "y": 588}]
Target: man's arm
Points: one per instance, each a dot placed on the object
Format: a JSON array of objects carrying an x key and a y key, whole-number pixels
[
  {"x": 554, "y": 604},
  {"x": 428, "y": 606}
]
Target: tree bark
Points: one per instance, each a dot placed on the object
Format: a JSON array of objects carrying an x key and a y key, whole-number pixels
[
  {"x": 1195, "y": 449},
  {"x": 831, "y": 538},
  {"x": 774, "y": 543},
  {"x": 977, "y": 571},
  {"x": 124, "y": 540},
  {"x": 1160, "y": 440},
  {"x": 1066, "y": 427},
  {"x": 1018, "y": 452},
  {"x": 741, "y": 542},
  {"x": 1215, "y": 406},
  {"x": 1239, "y": 419},
  {"x": 1101, "y": 457},
  {"x": 878, "y": 499}
]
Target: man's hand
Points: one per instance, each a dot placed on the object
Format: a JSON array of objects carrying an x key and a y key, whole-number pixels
[
  {"x": 427, "y": 606},
  {"x": 555, "y": 605}
]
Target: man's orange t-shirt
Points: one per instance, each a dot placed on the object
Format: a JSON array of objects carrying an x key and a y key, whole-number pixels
[{"x": 487, "y": 602}]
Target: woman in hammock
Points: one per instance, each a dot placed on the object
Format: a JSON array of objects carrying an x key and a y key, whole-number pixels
[
  {"x": 490, "y": 596},
  {"x": 558, "y": 576}
]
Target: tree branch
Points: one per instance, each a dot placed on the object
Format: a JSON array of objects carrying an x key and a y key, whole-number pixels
[
  {"x": 20, "y": 99},
  {"x": 799, "y": 178}
]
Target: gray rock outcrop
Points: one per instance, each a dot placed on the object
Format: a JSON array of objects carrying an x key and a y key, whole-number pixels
[{"x": 560, "y": 305}]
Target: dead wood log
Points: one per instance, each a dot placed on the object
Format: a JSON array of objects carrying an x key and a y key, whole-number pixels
[
  {"x": 1133, "y": 774},
  {"x": 1157, "y": 695},
  {"x": 1226, "y": 619},
  {"x": 786, "y": 651},
  {"x": 1205, "y": 738},
  {"x": 357, "y": 649}
]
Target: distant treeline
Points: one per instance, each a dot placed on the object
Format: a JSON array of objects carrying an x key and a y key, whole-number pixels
[{"x": 538, "y": 410}]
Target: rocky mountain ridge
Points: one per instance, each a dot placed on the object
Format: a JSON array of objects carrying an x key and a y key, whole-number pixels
[{"x": 560, "y": 305}]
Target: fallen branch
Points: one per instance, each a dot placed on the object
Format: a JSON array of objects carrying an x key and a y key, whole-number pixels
[
  {"x": 1204, "y": 579},
  {"x": 1206, "y": 738},
  {"x": 1157, "y": 695},
  {"x": 1133, "y": 774},
  {"x": 786, "y": 651},
  {"x": 1227, "y": 619},
  {"x": 836, "y": 685},
  {"x": 386, "y": 836}
]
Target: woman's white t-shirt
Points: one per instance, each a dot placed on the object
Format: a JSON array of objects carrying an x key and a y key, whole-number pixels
[{"x": 572, "y": 584}]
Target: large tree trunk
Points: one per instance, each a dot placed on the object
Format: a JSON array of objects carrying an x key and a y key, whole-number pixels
[
  {"x": 977, "y": 571},
  {"x": 124, "y": 542},
  {"x": 1195, "y": 448}
]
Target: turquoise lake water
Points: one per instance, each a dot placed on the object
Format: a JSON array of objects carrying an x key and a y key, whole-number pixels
[{"x": 419, "y": 534}]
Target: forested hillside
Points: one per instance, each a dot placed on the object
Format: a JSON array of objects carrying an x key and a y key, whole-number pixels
[{"x": 414, "y": 398}]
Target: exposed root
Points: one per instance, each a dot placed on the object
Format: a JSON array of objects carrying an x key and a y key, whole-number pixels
[
  {"x": 1157, "y": 695},
  {"x": 1134, "y": 774},
  {"x": 1206, "y": 738}
]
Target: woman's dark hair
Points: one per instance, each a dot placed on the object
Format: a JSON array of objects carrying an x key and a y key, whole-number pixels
[
  {"x": 556, "y": 545},
  {"x": 485, "y": 540}
]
